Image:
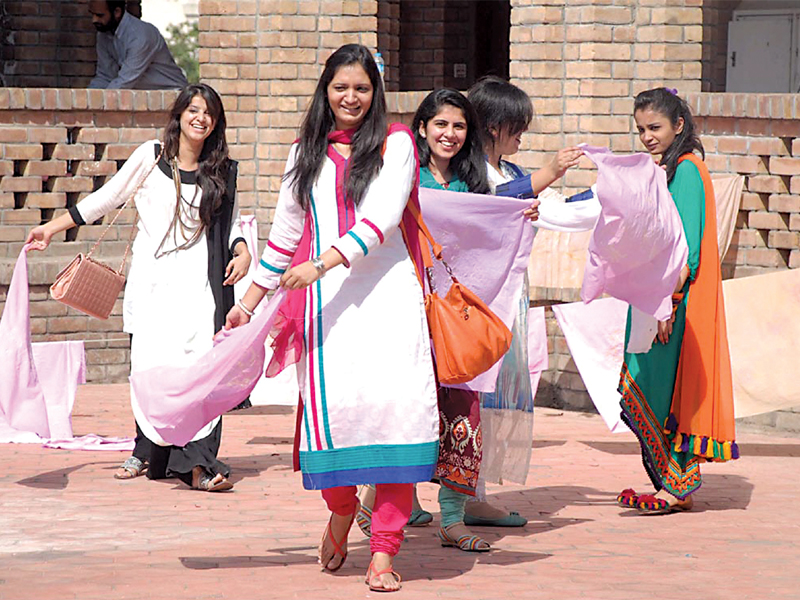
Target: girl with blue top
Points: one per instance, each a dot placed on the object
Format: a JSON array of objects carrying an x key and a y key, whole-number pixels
[{"x": 505, "y": 112}]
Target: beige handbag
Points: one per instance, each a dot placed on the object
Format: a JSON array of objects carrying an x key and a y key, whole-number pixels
[{"x": 90, "y": 286}]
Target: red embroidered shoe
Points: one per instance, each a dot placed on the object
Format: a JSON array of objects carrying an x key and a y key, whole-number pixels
[
  {"x": 650, "y": 505},
  {"x": 628, "y": 498}
]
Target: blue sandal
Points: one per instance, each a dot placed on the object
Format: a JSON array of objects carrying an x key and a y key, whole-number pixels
[
  {"x": 364, "y": 520},
  {"x": 467, "y": 543},
  {"x": 419, "y": 518},
  {"x": 512, "y": 519}
]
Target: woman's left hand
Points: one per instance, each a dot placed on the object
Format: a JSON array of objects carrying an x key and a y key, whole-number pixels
[
  {"x": 532, "y": 213},
  {"x": 237, "y": 268},
  {"x": 665, "y": 329},
  {"x": 300, "y": 276}
]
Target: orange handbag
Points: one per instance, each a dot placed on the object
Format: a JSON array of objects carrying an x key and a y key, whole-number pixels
[{"x": 468, "y": 338}]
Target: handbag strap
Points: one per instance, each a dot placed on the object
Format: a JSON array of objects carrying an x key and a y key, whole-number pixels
[
  {"x": 425, "y": 237},
  {"x": 119, "y": 212}
]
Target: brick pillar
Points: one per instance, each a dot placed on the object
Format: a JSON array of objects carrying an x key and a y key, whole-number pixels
[
  {"x": 389, "y": 41},
  {"x": 582, "y": 61},
  {"x": 716, "y": 16},
  {"x": 265, "y": 57}
]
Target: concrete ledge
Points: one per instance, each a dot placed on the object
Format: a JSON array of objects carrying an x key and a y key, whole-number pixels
[{"x": 744, "y": 105}]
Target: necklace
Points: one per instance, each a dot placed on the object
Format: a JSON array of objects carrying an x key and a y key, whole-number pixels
[{"x": 190, "y": 231}]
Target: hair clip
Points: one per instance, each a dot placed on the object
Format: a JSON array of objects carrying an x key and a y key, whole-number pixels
[{"x": 672, "y": 91}]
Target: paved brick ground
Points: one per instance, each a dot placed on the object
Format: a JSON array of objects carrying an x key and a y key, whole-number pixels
[{"x": 69, "y": 530}]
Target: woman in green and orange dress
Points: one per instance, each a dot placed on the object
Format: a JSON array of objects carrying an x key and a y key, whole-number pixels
[{"x": 678, "y": 397}]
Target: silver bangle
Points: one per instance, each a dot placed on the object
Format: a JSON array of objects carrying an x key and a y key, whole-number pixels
[
  {"x": 319, "y": 266},
  {"x": 246, "y": 310}
]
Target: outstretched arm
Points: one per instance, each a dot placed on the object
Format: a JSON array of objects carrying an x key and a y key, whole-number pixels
[{"x": 39, "y": 237}]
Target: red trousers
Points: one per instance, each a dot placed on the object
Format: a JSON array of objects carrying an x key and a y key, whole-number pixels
[{"x": 389, "y": 515}]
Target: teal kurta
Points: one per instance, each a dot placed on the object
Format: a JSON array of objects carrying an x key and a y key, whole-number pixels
[
  {"x": 427, "y": 180},
  {"x": 460, "y": 436},
  {"x": 654, "y": 372}
]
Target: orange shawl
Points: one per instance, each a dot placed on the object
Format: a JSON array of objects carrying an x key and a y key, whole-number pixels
[{"x": 702, "y": 402}]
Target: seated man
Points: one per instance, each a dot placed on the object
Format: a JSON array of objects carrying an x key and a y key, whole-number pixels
[{"x": 131, "y": 54}]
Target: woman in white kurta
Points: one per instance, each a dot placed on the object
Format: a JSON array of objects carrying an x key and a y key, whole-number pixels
[
  {"x": 366, "y": 373},
  {"x": 180, "y": 283}
]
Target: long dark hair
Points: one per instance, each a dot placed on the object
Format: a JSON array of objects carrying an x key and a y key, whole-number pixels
[
  {"x": 214, "y": 164},
  {"x": 469, "y": 163},
  {"x": 365, "y": 159},
  {"x": 501, "y": 106},
  {"x": 673, "y": 107}
]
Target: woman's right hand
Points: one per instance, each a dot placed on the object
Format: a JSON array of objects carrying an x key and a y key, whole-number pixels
[
  {"x": 564, "y": 159},
  {"x": 236, "y": 317},
  {"x": 39, "y": 237}
]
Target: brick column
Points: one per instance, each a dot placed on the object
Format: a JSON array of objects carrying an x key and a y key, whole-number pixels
[
  {"x": 389, "y": 41},
  {"x": 265, "y": 57}
]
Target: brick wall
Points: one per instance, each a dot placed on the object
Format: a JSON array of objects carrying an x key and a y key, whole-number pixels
[
  {"x": 56, "y": 146},
  {"x": 47, "y": 43},
  {"x": 583, "y": 61},
  {"x": 757, "y": 136}
]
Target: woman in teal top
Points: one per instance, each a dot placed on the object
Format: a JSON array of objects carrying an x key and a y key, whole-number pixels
[
  {"x": 648, "y": 380},
  {"x": 451, "y": 152},
  {"x": 449, "y": 145}
]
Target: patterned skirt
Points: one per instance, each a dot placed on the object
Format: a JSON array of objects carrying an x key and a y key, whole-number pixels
[{"x": 460, "y": 440}]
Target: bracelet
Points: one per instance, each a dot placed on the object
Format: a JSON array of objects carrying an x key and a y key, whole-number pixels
[
  {"x": 319, "y": 266},
  {"x": 246, "y": 310}
]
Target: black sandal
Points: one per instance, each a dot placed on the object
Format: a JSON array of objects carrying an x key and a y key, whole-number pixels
[{"x": 207, "y": 483}]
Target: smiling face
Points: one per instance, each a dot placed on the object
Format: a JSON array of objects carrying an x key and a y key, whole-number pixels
[
  {"x": 656, "y": 130},
  {"x": 196, "y": 122},
  {"x": 350, "y": 96},
  {"x": 505, "y": 142},
  {"x": 445, "y": 132}
]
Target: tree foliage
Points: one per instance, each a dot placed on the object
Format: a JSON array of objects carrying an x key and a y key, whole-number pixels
[{"x": 183, "y": 42}]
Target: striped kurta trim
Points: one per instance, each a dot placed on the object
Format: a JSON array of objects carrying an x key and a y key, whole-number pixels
[
  {"x": 360, "y": 242},
  {"x": 272, "y": 268},
  {"x": 401, "y": 463},
  {"x": 374, "y": 228},
  {"x": 280, "y": 250},
  {"x": 319, "y": 405}
]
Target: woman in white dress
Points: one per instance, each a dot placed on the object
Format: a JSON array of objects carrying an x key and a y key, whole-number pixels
[
  {"x": 365, "y": 370},
  {"x": 187, "y": 254}
]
